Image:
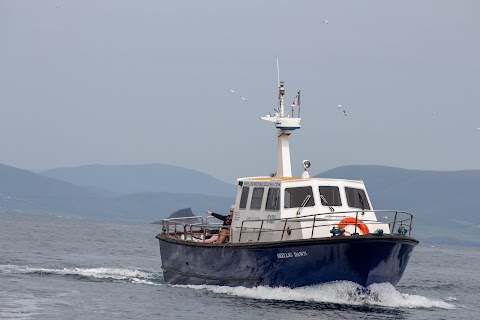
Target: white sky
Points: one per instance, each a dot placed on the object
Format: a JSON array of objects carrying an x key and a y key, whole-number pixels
[{"x": 131, "y": 82}]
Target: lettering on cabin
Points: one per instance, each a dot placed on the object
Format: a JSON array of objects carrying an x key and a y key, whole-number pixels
[
  {"x": 261, "y": 183},
  {"x": 270, "y": 218},
  {"x": 294, "y": 254}
]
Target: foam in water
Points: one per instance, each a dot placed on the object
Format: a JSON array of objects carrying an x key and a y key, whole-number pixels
[
  {"x": 118, "y": 274},
  {"x": 339, "y": 292}
]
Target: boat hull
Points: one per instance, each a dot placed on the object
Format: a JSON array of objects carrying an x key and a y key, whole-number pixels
[{"x": 361, "y": 259}]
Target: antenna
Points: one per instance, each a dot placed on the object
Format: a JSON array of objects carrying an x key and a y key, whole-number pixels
[
  {"x": 281, "y": 92},
  {"x": 278, "y": 74},
  {"x": 285, "y": 125},
  {"x": 298, "y": 104}
]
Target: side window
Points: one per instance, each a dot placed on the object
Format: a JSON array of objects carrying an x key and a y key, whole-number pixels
[
  {"x": 330, "y": 196},
  {"x": 273, "y": 199},
  {"x": 244, "y": 197},
  {"x": 257, "y": 197},
  {"x": 357, "y": 198},
  {"x": 294, "y": 197}
]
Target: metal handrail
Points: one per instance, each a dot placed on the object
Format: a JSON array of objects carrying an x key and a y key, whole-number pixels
[
  {"x": 400, "y": 219},
  {"x": 243, "y": 228}
]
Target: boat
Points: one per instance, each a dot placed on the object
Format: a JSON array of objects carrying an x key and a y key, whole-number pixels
[{"x": 290, "y": 231}]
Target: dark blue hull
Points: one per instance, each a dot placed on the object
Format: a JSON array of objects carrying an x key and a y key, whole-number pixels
[{"x": 363, "y": 259}]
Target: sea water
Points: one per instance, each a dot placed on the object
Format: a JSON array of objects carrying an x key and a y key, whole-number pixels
[{"x": 57, "y": 268}]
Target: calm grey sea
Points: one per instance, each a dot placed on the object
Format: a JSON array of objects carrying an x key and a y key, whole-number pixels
[{"x": 54, "y": 268}]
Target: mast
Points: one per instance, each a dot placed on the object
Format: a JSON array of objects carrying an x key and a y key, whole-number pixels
[{"x": 285, "y": 125}]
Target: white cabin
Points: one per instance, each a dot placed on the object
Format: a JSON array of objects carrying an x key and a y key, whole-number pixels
[{"x": 290, "y": 208}]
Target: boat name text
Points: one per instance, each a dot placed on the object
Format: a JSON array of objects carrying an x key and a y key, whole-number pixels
[{"x": 295, "y": 254}]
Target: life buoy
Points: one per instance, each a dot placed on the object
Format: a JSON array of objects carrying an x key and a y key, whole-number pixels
[{"x": 362, "y": 226}]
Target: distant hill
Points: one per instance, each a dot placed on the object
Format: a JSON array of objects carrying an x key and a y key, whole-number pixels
[
  {"x": 22, "y": 191},
  {"x": 127, "y": 179},
  {"x": 25, "y": 191},
  {"x": 151, "y": 206},
  {"x": 187, "y": 212}
]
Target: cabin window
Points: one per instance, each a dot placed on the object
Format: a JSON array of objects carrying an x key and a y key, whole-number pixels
[
  {"x": 294, "y": 197},
  {"x": 273, "y": 199},
  {"x": 330, "y": 196},
  {"x": 244, "y": 197},
  {"x": 357, "y": 198},
  {"x": 257, "y": 197}
]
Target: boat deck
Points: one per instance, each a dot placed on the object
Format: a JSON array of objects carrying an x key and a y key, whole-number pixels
[{"x": 338, "y": 224}]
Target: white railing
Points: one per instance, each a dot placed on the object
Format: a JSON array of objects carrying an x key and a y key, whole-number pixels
[{"x": 195, "y": 227}]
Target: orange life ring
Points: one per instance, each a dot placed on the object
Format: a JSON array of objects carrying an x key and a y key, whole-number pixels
[{"x": 362, "y": 226}]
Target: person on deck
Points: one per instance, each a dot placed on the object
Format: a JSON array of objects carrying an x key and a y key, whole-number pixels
[{"x": 224, "y": 231}]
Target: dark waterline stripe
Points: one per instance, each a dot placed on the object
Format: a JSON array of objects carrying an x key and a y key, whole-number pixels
[{"x": 193, "y": 275}]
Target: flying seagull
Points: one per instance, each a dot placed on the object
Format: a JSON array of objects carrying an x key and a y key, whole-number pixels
[
  {"x": 343, "y": 110},
  {"x": 325, "y": 21},
  {"x": 242, "y": 97}
]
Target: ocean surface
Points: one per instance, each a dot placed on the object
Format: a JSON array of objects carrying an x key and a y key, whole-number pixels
[{"x": 56, "y": 268}]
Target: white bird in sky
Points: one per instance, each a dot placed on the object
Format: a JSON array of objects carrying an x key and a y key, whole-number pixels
[
  {"x": 242, "y": 97},
  {"x": 325, "y": 21},
  {"x": 343, "y": 110}
]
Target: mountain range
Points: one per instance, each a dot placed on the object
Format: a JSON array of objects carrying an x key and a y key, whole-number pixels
[
  {"x": 444, "y": 203},
  {"x": 23, "y": 191},
  {"x": 128, "y": 179}
]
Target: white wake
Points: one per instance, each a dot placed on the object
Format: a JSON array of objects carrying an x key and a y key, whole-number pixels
[
  {"x": 115, "y": 274},
  {"x": 339, "y": 292}
]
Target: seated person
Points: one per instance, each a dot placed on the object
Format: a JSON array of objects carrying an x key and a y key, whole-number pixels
[{"x": 224, "y": 231}]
